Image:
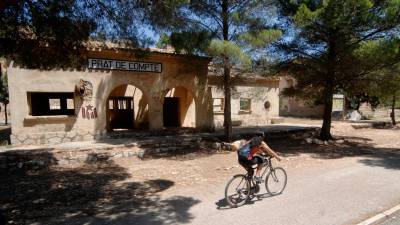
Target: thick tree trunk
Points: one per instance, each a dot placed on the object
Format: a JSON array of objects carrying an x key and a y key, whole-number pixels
[
  {"x": 5, "y": 114},
  {"x": 227, "y": 74},
  {"x": 327, "y": 118},
  {"x": 392, "y": 114}
]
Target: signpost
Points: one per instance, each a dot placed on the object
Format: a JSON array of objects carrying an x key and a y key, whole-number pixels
[
  {"x": 112, "y": 64},
  {"x": 338, "y": 106}
]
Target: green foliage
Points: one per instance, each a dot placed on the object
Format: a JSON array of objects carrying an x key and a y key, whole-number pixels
[
  {"x": 52, "y": 33},
  {"x": 220, "y": 48},
  {"x": 339, "y": 45},
  {"x": 163, "y": 41},
  {"x": 36, "y": 33},
  {"x": 261, "y": 38},
  {"x": 206, "y": 29},
  {"x": 187, "y": 42},
  {"x": 386, "y": 85}
]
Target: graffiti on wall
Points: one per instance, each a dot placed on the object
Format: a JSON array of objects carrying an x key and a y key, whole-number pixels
[{"x": 89, "y": 112}]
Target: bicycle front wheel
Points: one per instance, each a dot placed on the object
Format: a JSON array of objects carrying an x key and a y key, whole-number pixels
[
  {"x": 237, "y": 190},
  {"x": 275, "y": 181}
]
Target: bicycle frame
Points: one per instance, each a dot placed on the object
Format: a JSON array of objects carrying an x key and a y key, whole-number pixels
[{"x": 267, "y": 167}]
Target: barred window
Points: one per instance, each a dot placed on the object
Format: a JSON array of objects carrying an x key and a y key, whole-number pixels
[{"x": 245, "y": 104}]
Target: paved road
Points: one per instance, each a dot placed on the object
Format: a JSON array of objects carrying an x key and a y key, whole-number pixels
[
  {"x": 340, "y": 191},
  {"x": 392, "y": 220}
]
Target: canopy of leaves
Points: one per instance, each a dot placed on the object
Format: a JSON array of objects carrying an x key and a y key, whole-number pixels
[
  {"x": 386, "y": 85},
  {"x": 186, "y": 42},
  {"x": 339, "y": 41},
  {"x": 221, "y": 29},
  {"x": 52, "y": 32}
]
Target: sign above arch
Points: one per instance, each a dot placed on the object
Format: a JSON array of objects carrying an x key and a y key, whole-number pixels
[{"x": 112, "y": 64}]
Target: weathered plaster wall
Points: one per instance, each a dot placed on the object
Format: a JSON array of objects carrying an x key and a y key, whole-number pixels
[
  {"x": 259, "y": 90},
  {"x": 290, "y": 106},
  {"x": 177, "y": 71}
]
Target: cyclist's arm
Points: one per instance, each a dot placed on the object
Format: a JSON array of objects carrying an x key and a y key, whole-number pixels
[{"x": 269, "y": 151}]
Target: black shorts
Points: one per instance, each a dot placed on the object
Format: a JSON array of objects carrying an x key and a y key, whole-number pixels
[{"x": 247, "y": 164}]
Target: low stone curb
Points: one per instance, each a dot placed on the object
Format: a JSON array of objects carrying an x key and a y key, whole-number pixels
[
  {"x": 380, "y": 217},
  {"x": 43, "y": 156}
]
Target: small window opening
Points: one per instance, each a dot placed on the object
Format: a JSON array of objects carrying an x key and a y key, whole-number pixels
[
  {"x": 245, "y": 104},
  {"x": 218, "y": 104},
  {"x": 51, "y": 103}
]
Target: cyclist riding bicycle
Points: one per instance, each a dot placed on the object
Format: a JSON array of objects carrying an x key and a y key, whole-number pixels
[{"x": 251, "y": 153}]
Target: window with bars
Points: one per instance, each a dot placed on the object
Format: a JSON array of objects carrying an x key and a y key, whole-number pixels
[{"x": 245, "y": 104}]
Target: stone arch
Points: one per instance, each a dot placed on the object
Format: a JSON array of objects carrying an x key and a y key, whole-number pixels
[
  {"x": 127, "y": 107},
  {"x": 179, "y": 108}
]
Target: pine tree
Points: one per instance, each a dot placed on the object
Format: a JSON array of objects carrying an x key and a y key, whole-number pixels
[
  {"x": 224, "y": 29},
  {"x": 335, "y": 45},
  {"x": 52, "y": 33},
  {"x": 387, "y": 88}
]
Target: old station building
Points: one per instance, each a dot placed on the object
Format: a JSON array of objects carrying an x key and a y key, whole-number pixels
[{"x": 120, "y": 92}]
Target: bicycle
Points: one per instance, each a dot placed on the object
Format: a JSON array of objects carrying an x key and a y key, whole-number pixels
[{"x": 247, "y": 187}]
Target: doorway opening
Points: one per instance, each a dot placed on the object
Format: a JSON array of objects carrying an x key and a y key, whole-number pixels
[
  {"x": 179, "y": 109},
  {"x": 127, "y": 109}
]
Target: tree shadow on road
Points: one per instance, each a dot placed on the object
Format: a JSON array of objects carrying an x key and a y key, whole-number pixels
[
  {"x": 388, "y": 158},
  {"x": 95, "y": 193}
]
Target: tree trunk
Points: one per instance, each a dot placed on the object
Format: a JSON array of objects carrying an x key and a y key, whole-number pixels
[
  {"x": 5, "y": 114},
  {"x": 326, "y": 125},
  {"x": 329, "y": 88},
  {"x": 227, "y": 74},
  {"x": 227, "y": 107},
  {"x": 392, "y": 114}
]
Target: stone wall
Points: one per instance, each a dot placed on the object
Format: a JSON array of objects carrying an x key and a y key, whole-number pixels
[{"x": 55, "y": 137}]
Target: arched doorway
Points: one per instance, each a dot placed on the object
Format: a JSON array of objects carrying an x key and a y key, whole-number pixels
[
  {"x": 179, "y": 108},
  {"x": 127, "y": 109}
]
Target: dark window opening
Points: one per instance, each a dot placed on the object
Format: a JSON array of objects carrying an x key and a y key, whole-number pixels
[{"x": 51, "y": 103}]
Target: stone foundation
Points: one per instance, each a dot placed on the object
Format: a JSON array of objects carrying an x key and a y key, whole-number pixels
[{"x": 55, "y": 137}]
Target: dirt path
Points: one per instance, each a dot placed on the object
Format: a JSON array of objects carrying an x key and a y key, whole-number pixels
[{"x": 335, "y": 184}]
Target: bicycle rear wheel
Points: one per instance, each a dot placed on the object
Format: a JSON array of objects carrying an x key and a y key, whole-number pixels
[
  {"x": 275, "y": 181},
  {"x": 237, "y": 190}
]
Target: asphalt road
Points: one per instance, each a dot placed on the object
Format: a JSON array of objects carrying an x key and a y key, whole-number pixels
[
  {"x": 340, "y": 191},
  {"x": 392, "y": 220}
]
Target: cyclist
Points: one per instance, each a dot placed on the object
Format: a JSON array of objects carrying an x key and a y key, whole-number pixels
[{"x": 251, "y": 153}]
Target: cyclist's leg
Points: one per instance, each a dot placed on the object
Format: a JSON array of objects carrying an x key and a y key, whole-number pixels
[
  {"x": 259, "y": 161},
  {"x": 247, "y": 165}
]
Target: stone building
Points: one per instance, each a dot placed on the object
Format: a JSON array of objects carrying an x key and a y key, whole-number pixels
[
  {"x": 254, "y": 101},
  {"x": 117, "y": 91},
  {"x": 295, "y": 107}
]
